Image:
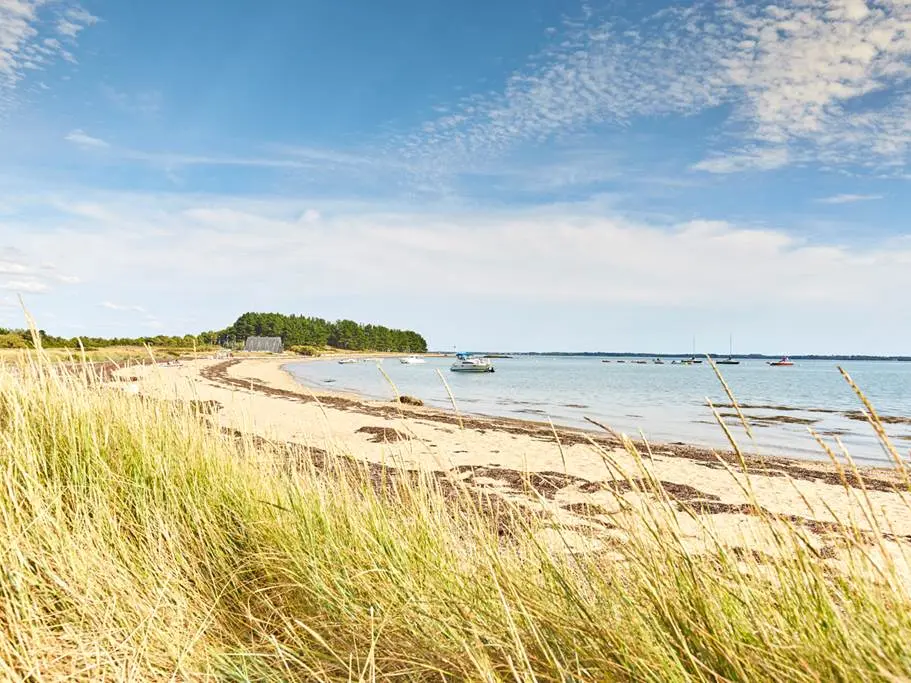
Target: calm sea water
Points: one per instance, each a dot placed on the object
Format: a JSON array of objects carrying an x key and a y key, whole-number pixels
[{"x": 666, "y": 402}]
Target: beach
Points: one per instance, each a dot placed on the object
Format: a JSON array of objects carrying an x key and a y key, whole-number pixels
[{"x": 584, "y": 480}]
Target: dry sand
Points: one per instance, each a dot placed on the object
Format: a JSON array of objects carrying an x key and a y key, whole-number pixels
[{"x": 576, "y": 477}]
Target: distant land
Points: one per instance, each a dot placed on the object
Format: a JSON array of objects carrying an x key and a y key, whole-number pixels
[{"x": 737, "y": 356}]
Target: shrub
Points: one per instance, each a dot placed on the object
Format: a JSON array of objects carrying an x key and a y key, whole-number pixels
[
  {"x": 12, "y": 341},
  {"x": 305, "y": 350}
]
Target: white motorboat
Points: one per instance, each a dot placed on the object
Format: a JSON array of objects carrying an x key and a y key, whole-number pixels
[
  {"x": 346, "y": 361},
  {"x": 412, "y": 360},
  {"x": 466, "y": 363}
]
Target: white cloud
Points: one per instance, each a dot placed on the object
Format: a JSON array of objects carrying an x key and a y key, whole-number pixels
[
  {"x": 849, "y": 198},
  {"x": 551, "y": 254},
  {"x": 67, "y": 28},
  {"x": 763, "y": 159},
  {"x": 24, "y": 46},
  {"x": 793, "y": 76},
  {"x": 172, "y": 160},
  {"x": 310, "y": 216},
  {"x": 30, "y": 286},
  {"x": 122, "y": 307},
  {"x": 68, "y": 279},
  {"x": 13, "y": 268},
  {"x": 83, "y": 139},
  {"x": 26, "y": 278},
  {"x": 74, "y": 21},
  {"x": 198, "y": 261}
]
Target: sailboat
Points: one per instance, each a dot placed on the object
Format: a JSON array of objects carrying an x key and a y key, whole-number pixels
[
  {"x": 692, "y": 360},
  {"x": 730, "y": 359}
]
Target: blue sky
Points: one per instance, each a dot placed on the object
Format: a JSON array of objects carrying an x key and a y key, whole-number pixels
[{"x": 521, "y": 175}]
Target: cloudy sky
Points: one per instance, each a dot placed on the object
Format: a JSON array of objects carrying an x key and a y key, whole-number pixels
[{"x": 520, "y": 174}]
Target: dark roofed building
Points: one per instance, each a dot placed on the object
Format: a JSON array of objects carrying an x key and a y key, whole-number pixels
[{"x": 264, "y": 344}]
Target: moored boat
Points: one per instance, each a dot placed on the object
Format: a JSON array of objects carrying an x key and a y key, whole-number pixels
[
  {"x": 412, "y": 360},
  {"x": 730, "y": 359},
  {"x": 692, "y": 360},
  {"x": 466, "y": 363},
  {"x": 347, "y": 361}
]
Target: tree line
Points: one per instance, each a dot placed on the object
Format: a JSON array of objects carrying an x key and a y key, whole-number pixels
[
  {"x": 295, "y": 330},
  {"x": 22, "y": 339},
  {"x": 299, "y": 330}
]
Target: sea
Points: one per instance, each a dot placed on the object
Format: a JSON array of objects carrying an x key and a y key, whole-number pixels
[{"x": 665, "y": 403}]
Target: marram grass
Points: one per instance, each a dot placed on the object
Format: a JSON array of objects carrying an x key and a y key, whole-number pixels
[{"x": 139, "y": 543}]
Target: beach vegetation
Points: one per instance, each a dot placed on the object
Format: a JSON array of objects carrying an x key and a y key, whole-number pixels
[
  {"x": 140, "y": 541},
  {"x": 9, "y": 340},
  {"x": 305, "y": 350}
]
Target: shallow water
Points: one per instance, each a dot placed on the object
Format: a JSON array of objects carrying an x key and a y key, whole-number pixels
[{"x": 667, "y": 402}]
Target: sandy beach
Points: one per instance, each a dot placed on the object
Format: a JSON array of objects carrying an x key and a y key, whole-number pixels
[{"x": 585, "y": 480}]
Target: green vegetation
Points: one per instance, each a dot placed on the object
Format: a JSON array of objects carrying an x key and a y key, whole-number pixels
[
  {"x": 9, "y": 340},
  {"x": 22, "y": 339},
  {"x": 140, "y": 543},
  {"x": 304, "y": 350},
  {"x": 298, "y": 330}
]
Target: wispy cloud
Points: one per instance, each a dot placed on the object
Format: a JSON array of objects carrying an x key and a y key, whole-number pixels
[
  {"x": 290, "y": 158},
  {"x": 849, "y": 198},
  {"x": 73, "y": 21},
  {"x": 603, "y": 257},
  {"x": 144, "y": 103},
  {"x": 146, "y": 318},
  {"x": 27, "y": 42},
  {"x": 794, "y": 77},
  {"x": 122, "y": 307},
  {"x": 763, "y": 159},
  {"x": 13, "y": 268},
  {"x": 323, "y": 165},
  {"x": 30, "y": 286},
  {"x": 175, "y": 160},
  {"x": 83, "y": 139},
  {"x": 17, "y": 274}
]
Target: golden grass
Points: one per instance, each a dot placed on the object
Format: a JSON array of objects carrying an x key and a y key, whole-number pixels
[
  {"x": 139, "y": 543},
  {"x": 117, "y": 354}
]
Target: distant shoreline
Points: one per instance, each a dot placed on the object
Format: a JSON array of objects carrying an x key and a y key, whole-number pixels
[{"x": 736, "y": 356}]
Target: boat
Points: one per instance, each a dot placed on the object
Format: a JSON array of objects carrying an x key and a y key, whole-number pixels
[
  {"x": 347, "y": 361},
  {"x": 692, "y": 360},
  {"x": 785, "y": 361},
  {"x": 730, "y": 359},
  {"x": 411, "y": 360},
  {"x": 658, "y": 361},
  {"x": 467, "y": 363}
]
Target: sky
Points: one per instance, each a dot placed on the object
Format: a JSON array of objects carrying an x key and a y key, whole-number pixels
[{"x": 516, "y": 175}]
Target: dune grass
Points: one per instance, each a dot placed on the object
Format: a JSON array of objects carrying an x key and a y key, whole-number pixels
[
  {"x": 139, "y": 543},
  {"x": 117, "y": 354}
]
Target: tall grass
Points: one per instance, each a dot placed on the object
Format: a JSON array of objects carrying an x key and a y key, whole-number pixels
[{"x": 137, "y": 542}]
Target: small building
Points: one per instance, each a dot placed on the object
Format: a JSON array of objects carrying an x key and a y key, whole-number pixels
[{"x": 264, "y": 344}]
